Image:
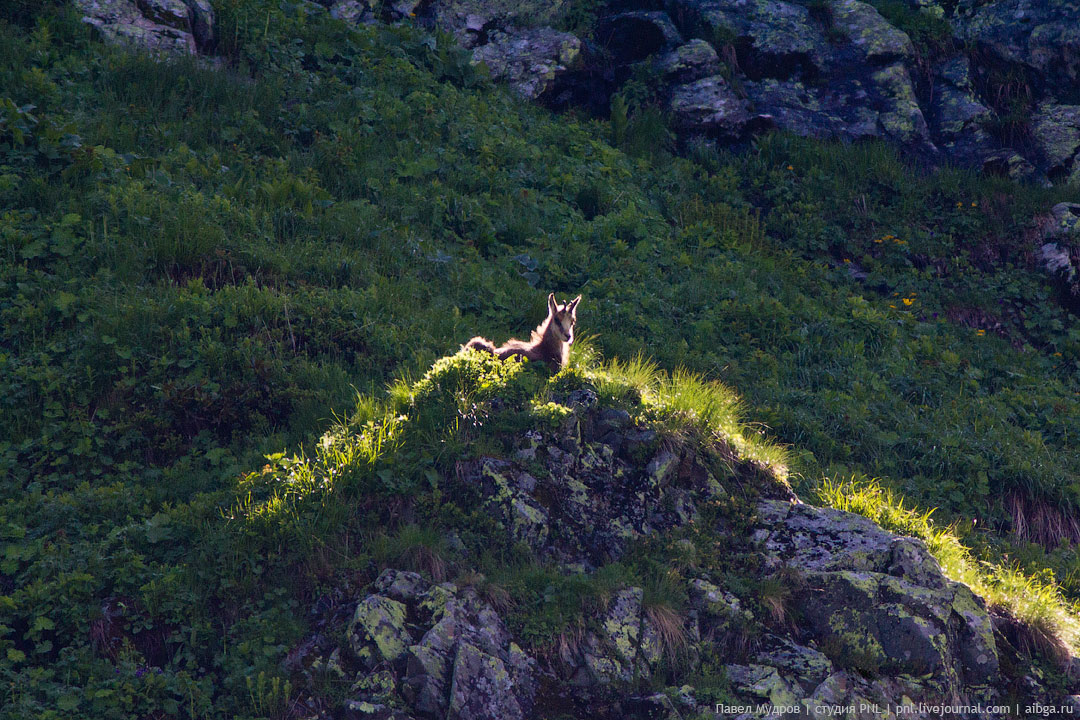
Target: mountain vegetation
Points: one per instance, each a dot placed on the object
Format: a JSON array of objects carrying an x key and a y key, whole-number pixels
[{"x": 224, "y": 286}]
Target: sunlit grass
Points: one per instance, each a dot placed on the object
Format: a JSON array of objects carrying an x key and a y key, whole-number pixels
[
  {"x": 404, "y": 442},
  {"x": 682, "y": 401},
  {"x": 1047, "y": 621},
  {"x": 303, "y": 495}
]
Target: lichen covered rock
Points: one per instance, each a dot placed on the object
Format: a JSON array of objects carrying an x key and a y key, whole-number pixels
[
  {"x": 173, "y": 13},
  {"x": 1008, "y": 163},
  {"x": 709, "y": 105},
  {"x": 160, "y": 27},
  {"x": 869, "y": 32},
  {"x": 694, "y": 60},
  {"x": 763, "y": 684},
  {"x": 420, "y": 649},
  {"x": 1044, "y": 36},
  {"x": 797, "y": 108},
  {"x": 877, "y": 602},
  {"x": 775, "y": 39},
  {"x": 1056, "y": 130},
  {"x": 956, "y": 116},
  {"x": 900, "y": 118},
  {"x": 594, "y": 498},
  {"x": 529, "y": 60},
  {"x": 124, "y": 22},
  {"x": 470, "y": 21},
  {"x": 1058, "y": 251},
  {"x": 377, "y": 632}
]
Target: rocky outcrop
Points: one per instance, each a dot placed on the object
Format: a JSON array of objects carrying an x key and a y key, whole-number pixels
[
  {"x": 1042, "y": 36},
  {"x": 773, "y": 38},
  {"x": 998, "y": 94},
  {"x": 835, "y": 611},
  {"x": 353, "y": 12},
  {"x": 161, "y": 27},
  {"x": 879, "y": 602},
  {"x": 711, "y": 106},
  {"x": 1058, "y": 249},
  {"x": 436, "y": 649},
  {"x": 530, "y": 61},
  {"x": 1056, "y": 131}
]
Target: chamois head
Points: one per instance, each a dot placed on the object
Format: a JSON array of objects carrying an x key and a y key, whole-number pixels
[{"x": 561, "y": 318}]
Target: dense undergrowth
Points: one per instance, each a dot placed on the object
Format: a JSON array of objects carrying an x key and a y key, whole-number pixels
[{"x": 199, "y": 266}]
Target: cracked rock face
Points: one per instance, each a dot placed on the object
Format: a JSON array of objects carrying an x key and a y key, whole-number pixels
[
  {"x": 879, "y": 598},
  {"x": 529, "y": 60},
  {"x": 1044, "y": 35},
  {"x": 1058, "y": 251},
  {"x": 695, "y": 60},
  {"x": 776, "y": 37},
  {"x": 1056, "y": 131},
  {"x": 710, "y": 105},
  {"x": 436, "y": 648},
  {"x": 877, "y": 620},
  {"x": 957, "y": 117},
  {"x": 635, "y": 36},
  {"x": 854, "y": 84},
  {"x": 593, "y": 499},
  {"x": 869, "y": 33},
  {"x": 160, "y": 27}
]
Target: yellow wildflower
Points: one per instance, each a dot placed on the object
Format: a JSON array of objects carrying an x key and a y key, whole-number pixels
[{"x": 908, "y": 301}]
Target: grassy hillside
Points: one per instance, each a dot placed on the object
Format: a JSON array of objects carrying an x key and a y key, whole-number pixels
[{"x": 201, "y": 266}]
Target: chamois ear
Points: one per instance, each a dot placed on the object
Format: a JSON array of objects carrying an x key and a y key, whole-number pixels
[
  {"x": 572, "y": 305},
  {"x": 552, "y": 305}
]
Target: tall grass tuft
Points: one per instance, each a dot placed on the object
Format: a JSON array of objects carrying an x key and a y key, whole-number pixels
[
  {"x": 662, "y": 602},
  {"x": 685, "y": 402},
  {"x": 422, "y": 549}
]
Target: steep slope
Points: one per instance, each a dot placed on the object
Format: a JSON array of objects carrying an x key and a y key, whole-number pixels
[
  {"x": 198, "y": 263},
  {"x": 644, "y": 564}
]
